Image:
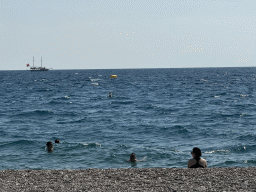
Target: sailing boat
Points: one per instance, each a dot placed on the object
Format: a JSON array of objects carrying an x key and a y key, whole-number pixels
[{"x": 37, "y": 68}]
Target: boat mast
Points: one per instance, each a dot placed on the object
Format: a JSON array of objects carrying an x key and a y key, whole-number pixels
[
  {"x": 41, "y": 61},
  {"x": 33, "y": 61}
]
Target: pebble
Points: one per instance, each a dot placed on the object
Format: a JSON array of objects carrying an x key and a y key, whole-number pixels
[{"x": 132, "y": 179}]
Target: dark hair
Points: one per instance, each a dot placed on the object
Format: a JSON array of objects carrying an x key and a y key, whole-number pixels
[
  {"x": 57, "y": 141},
  {"x": 132, "y": 157},
  {"x": 49, "y": 144},
  {"x": 197, "y": 152}
]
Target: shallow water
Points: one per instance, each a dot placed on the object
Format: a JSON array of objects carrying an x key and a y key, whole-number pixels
[{"x": 160, "y": 114}]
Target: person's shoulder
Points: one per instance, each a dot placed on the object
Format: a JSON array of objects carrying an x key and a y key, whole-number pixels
[
  {"x": 203, "y": 159},
  {"x": 204, "y": 162},
  {"x": 191, "y": 162}
]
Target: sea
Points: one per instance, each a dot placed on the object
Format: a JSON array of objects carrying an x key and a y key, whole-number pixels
[{"x": 158, "y": 114}]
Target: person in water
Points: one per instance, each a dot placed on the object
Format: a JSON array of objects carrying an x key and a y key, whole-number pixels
[
  {"x": 57, "y": 141},
  {"x": 132, "y": 158},
  {"x": 49, "y": 146},
  {"x": 110, "y": 94},
  {"x": 197, "y": 161}
]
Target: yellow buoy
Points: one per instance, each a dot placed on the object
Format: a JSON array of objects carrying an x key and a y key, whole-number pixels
[{"x": 113, "y": 76}]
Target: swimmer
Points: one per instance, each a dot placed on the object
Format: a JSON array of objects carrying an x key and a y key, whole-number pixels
[
  {"x": 49, "y": 146},
  {"x": 197, "y": 162},
  {"x": 110, "y": 94},
  {"x": 133, "y": 158},
  {"x": 57, "y": 141}
]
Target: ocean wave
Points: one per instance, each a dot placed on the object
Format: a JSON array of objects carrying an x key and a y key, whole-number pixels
[
  {"x": 248, "y": 137},
  {"x": 60, "y": 100},
  {"x": 55, "y": 102},
  {"x": 244, "y": 95},
  {"x": 83, "y": 145},
  {"x": 44, "y": 90},
  {"x": 43, "y": 112},
  {"x": 253, "y": 161},
  {"x": 122, "y": 102},
  {"x": 35, "y": 112},
  {"x": 89, "y": 145},
  {"x": 73, "y": 148},
  {"x": 233, "y": 150},
  {"x": 122, "y": 146},
  {"x": 71, "y": 121},
  {"x": 244, "y": 148},
  {"x": 229, "y": 115},
  {"x": 179, "y": 129},
  {"x": 62, "y": 97},
  {"x": 230, "y": 163},
  {"x": 95, "y": 79},
  {"x": 221, "y": 151},
  {"x": 18, "y": 143}
]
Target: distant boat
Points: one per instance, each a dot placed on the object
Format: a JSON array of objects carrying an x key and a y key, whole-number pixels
[{"x": 37, "y": 68}]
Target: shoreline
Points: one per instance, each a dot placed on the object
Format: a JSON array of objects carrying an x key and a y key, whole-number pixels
[{"x": 130, "y": 179}]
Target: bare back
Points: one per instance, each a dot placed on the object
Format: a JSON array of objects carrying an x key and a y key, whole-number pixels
[{"x": 192, "y": 162}]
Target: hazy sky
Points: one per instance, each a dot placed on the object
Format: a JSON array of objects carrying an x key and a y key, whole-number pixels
[{"x": 109, "y": 34}]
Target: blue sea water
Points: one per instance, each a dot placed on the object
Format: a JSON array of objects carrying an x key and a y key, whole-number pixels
[{"x": 159, "y": 114}]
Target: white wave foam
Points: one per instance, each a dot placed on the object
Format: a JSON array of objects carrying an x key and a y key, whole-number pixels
[
  {"x": 210, "y": 152},
  {"x": 90, "y": 144},
  {"x": 215, "y": 151},
  {"x": 94, "y": 79}
]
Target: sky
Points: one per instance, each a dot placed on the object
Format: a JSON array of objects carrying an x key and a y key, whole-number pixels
[{"x": 117, "y": 34}]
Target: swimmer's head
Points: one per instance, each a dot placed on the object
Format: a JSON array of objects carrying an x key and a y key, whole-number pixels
[
  {"x": 133, "y": 157},
  {"x": 49, "y": 145},
  {"x": 57, "y": 141},
  {"x": 197, "y": 152}
]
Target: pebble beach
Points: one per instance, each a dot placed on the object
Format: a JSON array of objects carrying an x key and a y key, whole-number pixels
[{"x": 132, "y": 179}]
